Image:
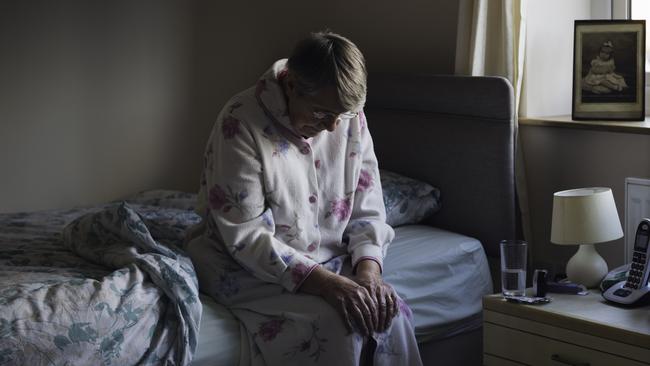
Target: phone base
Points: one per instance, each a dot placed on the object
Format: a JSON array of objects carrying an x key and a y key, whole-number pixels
[{"x": 620, "y": 294}]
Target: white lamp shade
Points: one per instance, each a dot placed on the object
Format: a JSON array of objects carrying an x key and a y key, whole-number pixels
[{"x": 585, "y": 216}]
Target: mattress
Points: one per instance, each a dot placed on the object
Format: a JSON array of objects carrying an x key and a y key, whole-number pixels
[
  {"x": 219, "y": 336},
  {"x": 442, "y": 276}
]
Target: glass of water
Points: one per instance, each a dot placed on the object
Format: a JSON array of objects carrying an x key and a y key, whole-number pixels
[{"x": 513, "y": 267}]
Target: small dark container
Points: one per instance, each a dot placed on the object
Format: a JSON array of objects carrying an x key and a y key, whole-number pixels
[{"x": 539, "y": 282}]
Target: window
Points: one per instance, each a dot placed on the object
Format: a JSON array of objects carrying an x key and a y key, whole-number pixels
[
  {"x": 636, "y": 9},
  {"x": 640, "y": 9},
  {"x": 620, "y": 9}
]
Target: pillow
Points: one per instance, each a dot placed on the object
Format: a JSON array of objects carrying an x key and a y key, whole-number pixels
[
  {"x": 408, "y": 201},
  {"x": 168, "y": 225},
  {"x": 168, "y": 214}
]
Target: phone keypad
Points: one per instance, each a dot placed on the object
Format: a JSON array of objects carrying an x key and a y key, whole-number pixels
[{"x": 635, "y": 276}]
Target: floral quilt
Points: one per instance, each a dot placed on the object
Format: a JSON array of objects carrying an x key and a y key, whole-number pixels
[{"x": 104, "y": 285}]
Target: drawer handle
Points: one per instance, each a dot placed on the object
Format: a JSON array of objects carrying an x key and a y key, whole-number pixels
[{"x": 559, "y": 359}]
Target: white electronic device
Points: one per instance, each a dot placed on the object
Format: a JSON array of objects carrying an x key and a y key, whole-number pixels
[{"x": 636, "y": 289}]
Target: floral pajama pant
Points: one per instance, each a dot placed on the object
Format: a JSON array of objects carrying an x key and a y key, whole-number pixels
[{"x": 283, "y": 328}]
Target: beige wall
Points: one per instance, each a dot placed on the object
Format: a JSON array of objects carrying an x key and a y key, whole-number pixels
[
  {"x": 94, "y": 98},
  {"x": 105, "y": 98}
]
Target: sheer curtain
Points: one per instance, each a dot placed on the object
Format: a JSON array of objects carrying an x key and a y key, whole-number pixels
[{"x": 491, "y": 41}]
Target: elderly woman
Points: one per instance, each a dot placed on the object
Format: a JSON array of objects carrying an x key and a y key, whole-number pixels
[{"x": 294, "y": 233}]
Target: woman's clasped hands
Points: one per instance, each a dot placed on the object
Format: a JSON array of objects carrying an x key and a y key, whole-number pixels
[{"x": 365, "y": 302}]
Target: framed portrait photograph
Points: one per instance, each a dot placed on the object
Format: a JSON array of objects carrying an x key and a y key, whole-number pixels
[{"x": 609, "y": 70}]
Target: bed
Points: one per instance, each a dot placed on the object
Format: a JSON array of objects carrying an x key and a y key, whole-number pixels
[{"x": 126, "y": 294}]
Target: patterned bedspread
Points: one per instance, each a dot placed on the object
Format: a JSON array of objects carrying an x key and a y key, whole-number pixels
[{"x": 113, "y": 288}]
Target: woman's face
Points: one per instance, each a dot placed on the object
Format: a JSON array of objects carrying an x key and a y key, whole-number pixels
[{"x": 310, "y": 115}]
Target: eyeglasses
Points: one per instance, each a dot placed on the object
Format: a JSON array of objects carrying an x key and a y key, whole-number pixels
[{"x": 328, "y": 116}]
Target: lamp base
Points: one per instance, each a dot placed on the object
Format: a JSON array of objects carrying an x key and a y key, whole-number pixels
[{"x": 586, "y": 267}]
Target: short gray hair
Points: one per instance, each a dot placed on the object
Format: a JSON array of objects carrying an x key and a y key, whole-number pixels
[{"x": 327, "y": 59}]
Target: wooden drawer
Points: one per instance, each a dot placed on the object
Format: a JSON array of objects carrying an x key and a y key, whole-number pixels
[
  {"x": 517, "y": 346},
  {"x": 490, "y": 360}
]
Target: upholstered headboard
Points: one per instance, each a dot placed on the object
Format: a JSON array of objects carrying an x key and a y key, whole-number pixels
[{"x": 457, "y": 133}]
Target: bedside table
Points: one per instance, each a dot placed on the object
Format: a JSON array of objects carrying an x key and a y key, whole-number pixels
[{"x": 571, "y": 330}]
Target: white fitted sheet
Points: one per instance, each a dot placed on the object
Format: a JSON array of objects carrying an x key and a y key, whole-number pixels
[
  {"x": 219, "y": 336},
  {"x": 442, "y": 276}
]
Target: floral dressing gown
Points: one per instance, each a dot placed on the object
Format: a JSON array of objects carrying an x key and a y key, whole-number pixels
[{"x": 275, "y": 206}]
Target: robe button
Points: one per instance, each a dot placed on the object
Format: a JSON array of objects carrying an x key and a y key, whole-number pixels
[
  {"x": 312, "y": 198},
  {"x": 305, "y": 149}
]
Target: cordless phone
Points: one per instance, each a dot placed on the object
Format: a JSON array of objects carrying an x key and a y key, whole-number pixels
[{"x": 635, "y": 289}]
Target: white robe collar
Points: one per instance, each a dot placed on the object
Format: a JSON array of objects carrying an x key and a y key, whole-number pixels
[{"x": 271, "y": 97}]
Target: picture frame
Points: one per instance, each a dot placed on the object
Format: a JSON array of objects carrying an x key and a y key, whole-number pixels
[{"x": 609, "y": 70}]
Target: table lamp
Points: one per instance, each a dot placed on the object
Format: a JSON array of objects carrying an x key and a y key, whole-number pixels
[{"x": 585, "y": 216}]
